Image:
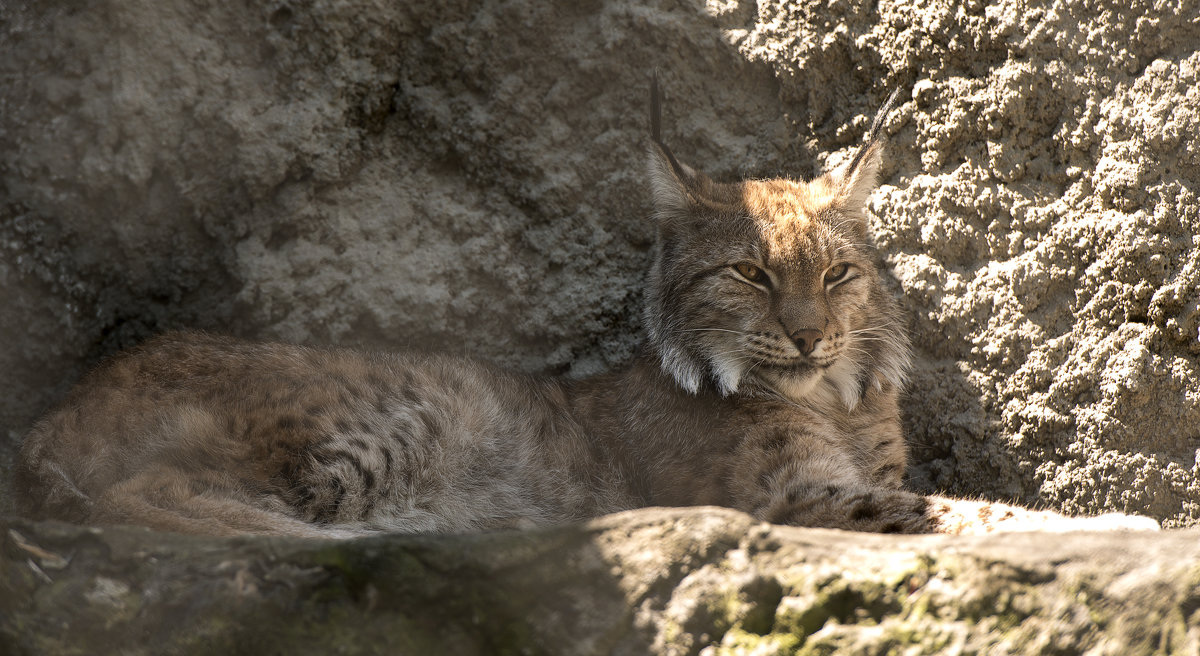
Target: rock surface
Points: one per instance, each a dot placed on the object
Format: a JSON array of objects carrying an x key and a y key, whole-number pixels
[{"x": 669, "y": 581}]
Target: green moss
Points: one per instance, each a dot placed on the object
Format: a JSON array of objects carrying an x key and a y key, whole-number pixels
[
  {"x": 847, "y": 602},
  {"x": 670, "y": 631},
  {"x": 737, "y": 641}
]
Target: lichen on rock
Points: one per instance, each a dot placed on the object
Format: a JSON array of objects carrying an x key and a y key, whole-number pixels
[{"x": 665, "y": 581}]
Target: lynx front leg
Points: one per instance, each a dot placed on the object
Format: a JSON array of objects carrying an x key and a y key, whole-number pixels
[
  {"x": 854, "y": 508},
  {"x": 803, "y": 480},
  {"x": 784, "y": 477}
]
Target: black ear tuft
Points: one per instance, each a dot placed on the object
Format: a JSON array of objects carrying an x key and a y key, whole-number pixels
[
  {"x": 678, "y": 169},
  {"x": 857, "y": 179},
  {"x": 671, "y": 182},
  {"x": 876, "y": 127},
  {"x": 655, "y": 110}
]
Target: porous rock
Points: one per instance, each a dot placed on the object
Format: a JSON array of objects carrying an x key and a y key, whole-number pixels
[{"x": 667, "y": 581}]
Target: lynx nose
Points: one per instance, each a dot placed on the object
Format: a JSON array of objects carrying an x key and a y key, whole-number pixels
[{"x": 806, "y": 340}]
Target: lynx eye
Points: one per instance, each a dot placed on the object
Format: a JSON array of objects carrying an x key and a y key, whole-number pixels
[
  {"x": 751, "y": 273},
  {"x": 837, "y": 272}
]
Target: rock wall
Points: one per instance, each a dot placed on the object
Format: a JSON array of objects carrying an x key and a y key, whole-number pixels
[{"x": 467, "y": 176}]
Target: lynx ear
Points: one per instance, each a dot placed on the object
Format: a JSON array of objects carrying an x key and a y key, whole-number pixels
[
  {"x": 670, "y": 180},
  {"x": 856, "y": 180}
]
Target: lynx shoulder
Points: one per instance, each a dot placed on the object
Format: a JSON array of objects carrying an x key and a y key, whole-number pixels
[{"x": 768, "y": 382}]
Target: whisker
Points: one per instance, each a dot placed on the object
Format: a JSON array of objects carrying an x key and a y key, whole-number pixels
[
  {"x": 885, "y": 329},
  {"x": 739, "y": 354},
  {"x": 747, "y": 372},
  {"x": 721, "y": 330}
]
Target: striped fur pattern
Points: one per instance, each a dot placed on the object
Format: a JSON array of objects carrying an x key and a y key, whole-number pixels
[{"x": 768, "y": 383}]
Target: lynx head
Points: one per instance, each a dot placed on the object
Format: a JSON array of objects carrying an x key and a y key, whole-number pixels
[{"x": 771, "y": 285}]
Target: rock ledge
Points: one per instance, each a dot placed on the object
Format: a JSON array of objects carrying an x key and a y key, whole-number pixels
[{"x": 673, "y": 581}]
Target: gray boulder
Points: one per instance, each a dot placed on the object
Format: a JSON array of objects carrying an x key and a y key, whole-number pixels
[{"x": 667, "y": 581}]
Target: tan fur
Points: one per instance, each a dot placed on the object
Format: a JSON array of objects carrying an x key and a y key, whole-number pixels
[{"x": 728, "y": 404}]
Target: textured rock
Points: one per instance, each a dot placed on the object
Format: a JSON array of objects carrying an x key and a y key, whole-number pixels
[
  {"x": 467, "y": 176},
  {"x": 1041, "y": 217},
  {"x": 674, "y": 581}
]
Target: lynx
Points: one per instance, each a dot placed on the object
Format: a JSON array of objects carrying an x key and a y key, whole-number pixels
[{"x": 768, "y": 382}]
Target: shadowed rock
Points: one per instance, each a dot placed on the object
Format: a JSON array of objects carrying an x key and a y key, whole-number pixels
[{"x": 671, "y": 581}]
